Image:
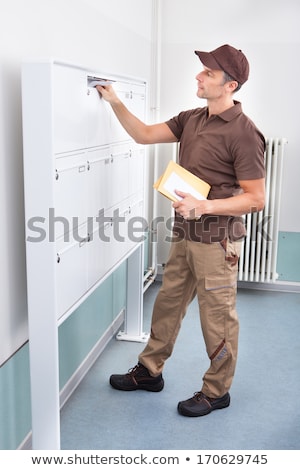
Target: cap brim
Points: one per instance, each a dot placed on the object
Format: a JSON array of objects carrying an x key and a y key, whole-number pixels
[{"x": 208, "y": 60}]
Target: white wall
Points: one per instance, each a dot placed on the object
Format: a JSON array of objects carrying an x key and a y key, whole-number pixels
[
  {"x": 113, "y": 36},
  {"x": 268, "y": 32}
]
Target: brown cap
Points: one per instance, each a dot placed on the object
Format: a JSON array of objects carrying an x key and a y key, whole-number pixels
[{"x": 228, "y": 59}]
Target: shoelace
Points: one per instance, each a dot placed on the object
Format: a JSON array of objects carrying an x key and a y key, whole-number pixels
[
  {"x": 133, "y": 370},
  {"x": 201, "y": 396}
]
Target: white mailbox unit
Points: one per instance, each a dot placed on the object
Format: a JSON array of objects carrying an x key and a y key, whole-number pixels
[{"x": 83, "y": 179}]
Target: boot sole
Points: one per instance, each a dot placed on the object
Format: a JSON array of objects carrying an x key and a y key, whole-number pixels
[{"x": 149, "y": 388}]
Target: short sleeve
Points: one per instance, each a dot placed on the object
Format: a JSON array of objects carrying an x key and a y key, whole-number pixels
[
  {"x": 249, "y": 155},
  {"x": 177, "y": 123}
]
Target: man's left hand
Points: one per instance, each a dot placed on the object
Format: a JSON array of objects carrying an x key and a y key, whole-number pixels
[{"x": 188, "y": 207}]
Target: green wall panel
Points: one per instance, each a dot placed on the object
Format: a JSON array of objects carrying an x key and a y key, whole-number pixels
[
  {"x": 15, "y": 409},
  {"x": 288, "y": 260}
]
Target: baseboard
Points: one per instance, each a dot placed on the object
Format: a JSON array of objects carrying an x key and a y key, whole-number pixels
[
  {"x": 279, "y": 286},
  {"x": 82, "y": 370}
]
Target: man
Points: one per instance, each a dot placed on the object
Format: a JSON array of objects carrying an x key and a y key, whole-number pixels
[{"x": 222, "y": 146}]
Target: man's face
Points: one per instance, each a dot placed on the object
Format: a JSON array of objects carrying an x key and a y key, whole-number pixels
[{"x": 211, "y": 84}]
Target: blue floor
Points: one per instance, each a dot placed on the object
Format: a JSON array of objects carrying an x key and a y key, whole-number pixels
[{"x": 264, "y": 411}]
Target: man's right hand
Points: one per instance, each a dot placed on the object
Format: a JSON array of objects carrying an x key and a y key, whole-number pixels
[{"x": 107, "y": 93}]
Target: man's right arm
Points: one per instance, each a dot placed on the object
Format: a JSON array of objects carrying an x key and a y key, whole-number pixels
[{"x": 142, "y": 133}]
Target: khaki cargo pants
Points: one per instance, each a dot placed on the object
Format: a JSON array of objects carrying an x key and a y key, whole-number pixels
[{"x": 210, "y": 272}]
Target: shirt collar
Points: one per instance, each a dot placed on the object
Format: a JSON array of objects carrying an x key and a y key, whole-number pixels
[{"x": 232, "y": 112}]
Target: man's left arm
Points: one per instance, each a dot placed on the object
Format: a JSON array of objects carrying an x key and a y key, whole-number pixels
[{"x": 252, "y": 199}]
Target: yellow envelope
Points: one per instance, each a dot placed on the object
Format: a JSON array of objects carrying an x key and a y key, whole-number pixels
[{"x": 177, "y": 177}]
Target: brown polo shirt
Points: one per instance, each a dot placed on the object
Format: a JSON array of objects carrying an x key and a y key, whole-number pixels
[{"x": 222, "y": 150}]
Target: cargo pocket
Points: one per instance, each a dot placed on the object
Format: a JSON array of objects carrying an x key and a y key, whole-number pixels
[
  {"x": 215, "y": 283},
  {"x": 219, "y": 299}
]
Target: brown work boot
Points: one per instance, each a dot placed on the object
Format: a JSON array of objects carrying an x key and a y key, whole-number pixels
[
  {"x": 200, "y": 404},
  {"x": 137, "y": 378}
]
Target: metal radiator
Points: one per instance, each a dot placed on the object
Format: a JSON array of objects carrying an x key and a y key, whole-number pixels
[{"x": 259, "y": 251}]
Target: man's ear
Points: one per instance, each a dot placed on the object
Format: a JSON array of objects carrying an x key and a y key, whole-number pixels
[{"x": 232, "y": 85}]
